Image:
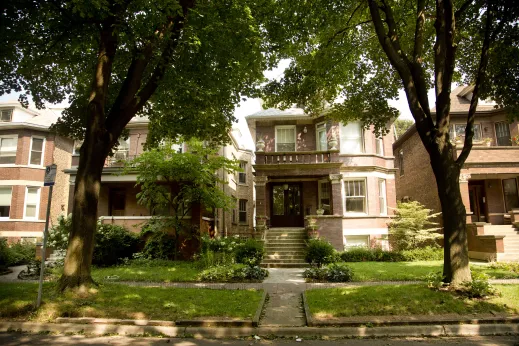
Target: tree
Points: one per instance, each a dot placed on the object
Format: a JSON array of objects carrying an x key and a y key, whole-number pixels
[
  {"x": 411, "y": 227},
  {"x": 181, "y": 63},
  {"x": 401, "y": 126},
  {"x": 363, "y": 51},
  {"x": 171, "y": 183}
]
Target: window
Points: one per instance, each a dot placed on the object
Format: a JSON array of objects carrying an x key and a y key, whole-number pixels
[
  {"x": 243, "y": 211},
  {"x": 32, "y": 202},
  {"x": 352, "y": 241},
  {"x": 122, "y": 150},
  {"x": 117, "y": 202},
  {"x": 324, "y": 196},
  {"x": 285, "y": 138},
  {"x": 355, "y": 192},
  {"x": 401, "y": 162},
  {"x": 458, "y": 130},
  {"x": 8, "y": 149},
  {"x": 380, "y": 146},
  {"x": 351, "y": 138},
  {"x": 503, "y": 134},
  {"x": 6, "y": 115},
  {"x": 36, "y": 156},
  {"x": 322, "y": 140},
  {"x": 510, "y": 192},
  {"x": 382, "y": 196},
  {"x": 5, "y": 201},
  {"x": 242, "y": 176}
]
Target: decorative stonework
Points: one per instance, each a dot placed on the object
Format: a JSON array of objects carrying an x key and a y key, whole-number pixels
[
  {"x": 464, "y": 177},
  {"x": 335, "y": 178},
  {"x": 261, "y": 180}
]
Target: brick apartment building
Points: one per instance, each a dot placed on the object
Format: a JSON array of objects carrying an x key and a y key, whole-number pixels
[
  {"x": 26, "y": 147},
  {"x": 488, "y": 180},
  {"x": 118, "y": 201},
  {"x": 307, "y": 165}
]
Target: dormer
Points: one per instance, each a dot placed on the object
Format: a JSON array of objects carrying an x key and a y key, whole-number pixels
[{"x": 6, "y": 115}]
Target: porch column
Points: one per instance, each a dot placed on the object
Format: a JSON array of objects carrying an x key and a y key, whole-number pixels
[
  {"x": 336, "y": 197},
  {"x": 261, "y": 196},
  {"x": 464, "y": 189}
]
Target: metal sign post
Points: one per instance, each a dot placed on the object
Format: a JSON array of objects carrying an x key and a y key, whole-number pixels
[{"x": 50, "y": 178}]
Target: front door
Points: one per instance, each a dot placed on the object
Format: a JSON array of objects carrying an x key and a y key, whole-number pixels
[
  {"x": 477, "y": 202},
  {"x": 286, "y": 206}
]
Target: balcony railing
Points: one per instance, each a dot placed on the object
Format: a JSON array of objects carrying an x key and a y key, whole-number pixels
[
  {"x": 118, "y": 160},
  {"x": 301, "y": 157}
]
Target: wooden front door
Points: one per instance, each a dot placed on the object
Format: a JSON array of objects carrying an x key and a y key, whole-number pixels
[
  {"x": 286, "y": 206},
  {"x": 477, "y": 202}
]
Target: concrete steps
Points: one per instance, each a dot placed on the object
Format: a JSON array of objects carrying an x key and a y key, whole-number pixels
[
  {"x": 285, "y": 248},
  {"x": 511, "y": 241}
]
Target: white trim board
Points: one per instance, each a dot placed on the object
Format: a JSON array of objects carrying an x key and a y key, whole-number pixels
[
  {"x": 21, "y": 182},
  {"x": 346, "y": 174},
  {"x": 31, "y": 234}
]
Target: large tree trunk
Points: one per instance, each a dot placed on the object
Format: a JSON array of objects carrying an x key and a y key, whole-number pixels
[
  {"x": 456, "y": 267},
  {"x": 76, "y": 271}
]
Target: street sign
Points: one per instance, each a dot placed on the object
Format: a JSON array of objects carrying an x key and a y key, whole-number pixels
[{"x": 50, "y": 175}]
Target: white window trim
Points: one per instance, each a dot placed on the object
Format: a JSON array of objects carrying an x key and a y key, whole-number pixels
[
  {"x": 285, "y": 127},
  {"x": 42, "y": 151},
  {"x": 362, "y": 139},
  {"x": 317, "y": 142},
  {"x": 10, "y": 205},
  {"x": 366, "y": 204},
  {"x": 25, "y": 217},
  {"x": 382, "y": 186},
  {"x": 15, "y": 137},
  {"x": 379, "y": 142}
]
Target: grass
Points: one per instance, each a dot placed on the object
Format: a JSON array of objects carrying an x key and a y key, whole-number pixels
[
  {"x": 410, "y": 271},
  {"x": 164, "y": 271},
  {"x": 405, "y": 300},
  {"x": 120, "y": 301}
]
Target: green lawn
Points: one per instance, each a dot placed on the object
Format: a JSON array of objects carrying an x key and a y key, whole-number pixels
[
  {"x": 120, "y": 301},
  {"x": 169, "y": 271},
  {"x": 410, "y": 271},
  {"x": 404, "y": 300}
]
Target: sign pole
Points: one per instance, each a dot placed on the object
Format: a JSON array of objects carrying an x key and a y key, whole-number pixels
[{"x": 50, "y": 178}]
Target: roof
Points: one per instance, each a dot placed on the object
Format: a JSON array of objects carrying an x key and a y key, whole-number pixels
[
  {"x": 290, "y": 113},
  {"x": 460, "y": 101},
  {"x": 41, "y": 119}
]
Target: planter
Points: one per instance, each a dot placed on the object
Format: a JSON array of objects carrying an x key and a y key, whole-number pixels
[
  {"x": 332, "y": 143},
  {"x": 320, "y": 211},
  {"x": 260, "y": 145}
]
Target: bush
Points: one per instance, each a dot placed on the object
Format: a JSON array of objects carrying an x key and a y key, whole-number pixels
[
  {"x": 411, "y": 227},
  {"x": 59, "y": 233},
  {"x": 234, "y": 272},
  {"x": 509, "y": 266},
  {"x": 16, "y": 254},
  {"x": 434, "y": 280},
  {"x": 339, "y": 272},
  {"x": 112, "y": 244},
  {"x": 160, "y": 245},
  {"x": 250, "y": 253},
  {"x": 5, "y": 254},
  {"x": 335, "y": 272},
  {"x": 479, "y": 287},
  {"x": 221, "y": 244},
  {"x": 320, "y": 252},
  {"x": 211, "y": 259},
  {"x": 363, "y": 254}
]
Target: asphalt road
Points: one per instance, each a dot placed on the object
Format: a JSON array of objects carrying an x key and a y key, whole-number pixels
[{"x": 7, "y": 339}]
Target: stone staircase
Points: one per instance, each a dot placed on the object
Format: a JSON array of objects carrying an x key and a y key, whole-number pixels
[
  {"x": 285, "y": 248},
  {"x": 511, "y": 240}
]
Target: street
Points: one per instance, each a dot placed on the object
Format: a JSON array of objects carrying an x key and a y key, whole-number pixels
[{"x": 12, "y": 339}]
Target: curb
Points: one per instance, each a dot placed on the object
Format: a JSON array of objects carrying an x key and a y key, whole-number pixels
[
  {"x": 308, "y": 314},
  {"x": 225, "y": 332},
  {"x": 259, "y": 310}
]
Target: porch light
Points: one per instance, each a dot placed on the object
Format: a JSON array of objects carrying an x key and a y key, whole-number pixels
[
  {"x": 305, "y": 130},
  {"x": 285, "y": 187}
]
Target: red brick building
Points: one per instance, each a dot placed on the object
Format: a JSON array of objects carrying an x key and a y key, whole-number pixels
[
  {"x": 489, "y": 178},
  {"x": 26, "y": 147},
  {"x": 305, "y": 164}
]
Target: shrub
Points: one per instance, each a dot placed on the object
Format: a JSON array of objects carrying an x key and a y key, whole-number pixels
[
  {"x": 160, "y": 245},
  {"x": 5, "y": 254},
  {"x": 22, "y": 253},
  {"x": 255, "y": 273},
  {"x": 112, "y": 244},
  {"x": 411, "y": 227},
  {"x": 479, "y": 287},
  {"x": 250, "y": 253},
  {"x": 233, "y": 272},
  {"x": 315, "y": 274},
  {"x": 211, "y": 259},
  {"x": 339, "y": 272},
  {"x": 320, "y": 252},
  {"x": 434, "y": 280},
  {"x": 509, "y": 266},
  {"x": 221, "y": 244},
  {"x": 427, "y": 253},
  {"x": 59, "y": 233}
]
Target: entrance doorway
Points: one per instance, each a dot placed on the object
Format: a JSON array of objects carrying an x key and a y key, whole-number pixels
[
  {"x": 286, "y": 208},
  {"x": 478, "y": 201}
]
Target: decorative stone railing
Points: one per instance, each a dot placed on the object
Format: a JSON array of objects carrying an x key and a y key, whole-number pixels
[{"x": 299, "y": 157}]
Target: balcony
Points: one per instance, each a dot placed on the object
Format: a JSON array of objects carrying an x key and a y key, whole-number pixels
[
  {"x": 299, "y": 157},
  {"x": 118, "y": 160}
]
